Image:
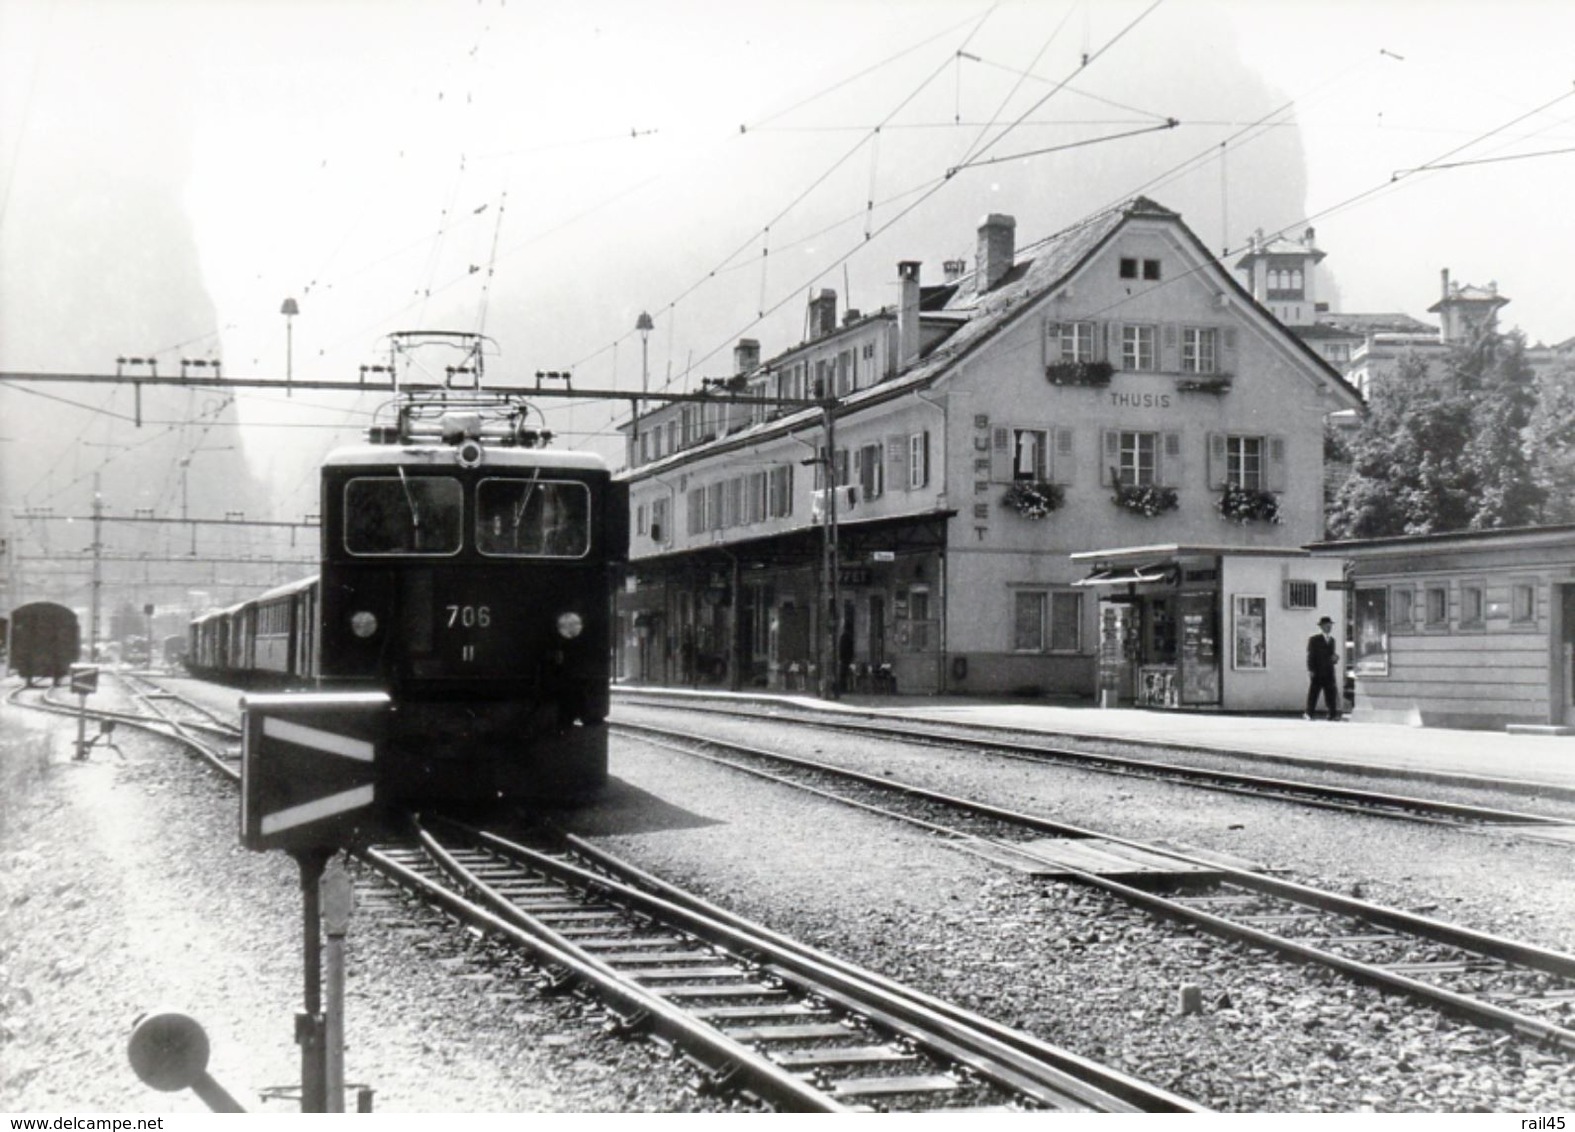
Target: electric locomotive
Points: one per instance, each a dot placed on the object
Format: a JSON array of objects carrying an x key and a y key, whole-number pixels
[{"x": 465, "y": 569}]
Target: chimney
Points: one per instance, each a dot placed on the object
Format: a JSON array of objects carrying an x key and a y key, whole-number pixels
[
  {"x": 955, "y": 269},
  {"x": 746, "y": 356},
  {"x": 907, "y": 314},
  {"x": 822, "y": 314},
  {"x": 850, "y": 316},
  {"x": 1445, "y": 276},
  {"x": 997, "y": 246}
]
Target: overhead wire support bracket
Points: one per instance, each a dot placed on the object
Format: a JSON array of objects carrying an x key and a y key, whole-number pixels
[
  {"x": 1167, "y": 124},
  {"x": 136, "y": 386}
]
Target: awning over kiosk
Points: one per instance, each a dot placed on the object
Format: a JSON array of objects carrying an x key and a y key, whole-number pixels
[{"x": 1128, "y": 575}]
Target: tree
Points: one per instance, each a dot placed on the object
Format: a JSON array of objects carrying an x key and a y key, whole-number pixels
[
  {"x": 1494, "y": 374},
  {"x": 1550, "y": 440},
  {"x": 1445, "y": 449},
  {"x": 1406, "y": 473}
]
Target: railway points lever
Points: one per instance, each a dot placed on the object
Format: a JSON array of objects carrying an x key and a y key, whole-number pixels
[{"x": 169, "y": 1052}]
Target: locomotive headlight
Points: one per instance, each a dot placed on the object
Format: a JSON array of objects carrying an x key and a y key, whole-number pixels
[
  {"x": 569, "y": 625},
  {"x": 363, "y": 624}
]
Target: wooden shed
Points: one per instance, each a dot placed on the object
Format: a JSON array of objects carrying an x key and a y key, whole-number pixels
[{"x": 1471, "y": 629}]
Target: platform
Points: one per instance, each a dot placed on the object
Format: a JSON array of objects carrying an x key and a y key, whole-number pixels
[{"x": 1442, "y": 753}]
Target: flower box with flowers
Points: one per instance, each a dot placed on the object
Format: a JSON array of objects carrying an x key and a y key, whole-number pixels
[
  {"x": 1079, "y": 373},
  {"x": 1248, "y": 505},
  {"x": 1147, "y": 500},
  {"x": 1217, "y": 383},
  {"x": 1034, "y": 499}
]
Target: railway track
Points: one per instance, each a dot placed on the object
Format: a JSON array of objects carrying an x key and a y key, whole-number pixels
[
  {"x": 215, "y": 742},
  {"x": 1322, "y": 795},
  {"x": 797, "y": 1029},
  {"x": 754, "y": 1012},
  {"x": 1489, "y": 980}
]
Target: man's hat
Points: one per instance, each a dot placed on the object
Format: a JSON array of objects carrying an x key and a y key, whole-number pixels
[{"x": 1326, "y": 620}]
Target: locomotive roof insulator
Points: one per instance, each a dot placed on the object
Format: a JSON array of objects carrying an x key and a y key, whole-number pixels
[{"x": 456, "y": 427}]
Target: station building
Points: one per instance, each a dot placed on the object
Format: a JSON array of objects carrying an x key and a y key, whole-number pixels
[
  {"x": 1003, "y": 452},
  {"x": 1470, "y": 629}
]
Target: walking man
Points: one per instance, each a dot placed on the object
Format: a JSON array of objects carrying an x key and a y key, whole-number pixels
[{"x": 1322, "y": 655}]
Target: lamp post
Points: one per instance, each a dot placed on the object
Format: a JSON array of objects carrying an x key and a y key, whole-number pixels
[
  {"x": 644, "y": 325},
  {"x": 289, "y": 310}
]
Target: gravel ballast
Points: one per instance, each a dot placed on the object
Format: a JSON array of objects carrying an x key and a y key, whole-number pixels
[
  {"x": 124, "y": 889},
  {"x": 1086, "y": 972}
]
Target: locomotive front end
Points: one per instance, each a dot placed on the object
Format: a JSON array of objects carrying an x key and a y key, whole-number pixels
[{"x": 472, "y": 583}]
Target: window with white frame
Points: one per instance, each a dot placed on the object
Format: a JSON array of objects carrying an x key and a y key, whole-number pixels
[
  {"x": 1076, "y": 341},
  {"x": 1199, "y": 349},
  {"x": 872, "y": 471},
  {"x": 659, "y": 529},
  {"x": 1437, "y": 607},
  {"x": 1136, "y": 458},
  {"x": 1047, "y": 621},
  {"x": 1472, "y": 604},
  {"x": 1137, "y": 348},
  {"x": 780, "y": 503},
  {"x": 1523, "y": 602},
  {"x": 1244, "y": 462},
  {"x": 1030, "y": 456},
  {"x": 1402, "y": 608},
  {"x": 918, "y": 459}
]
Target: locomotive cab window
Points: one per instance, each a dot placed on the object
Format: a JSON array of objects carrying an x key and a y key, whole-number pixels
[
  {"x": 534, "y": 518},
  {"x": 403, "y": 515}
]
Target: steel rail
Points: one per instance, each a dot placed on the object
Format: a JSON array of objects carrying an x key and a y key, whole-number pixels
[
  {"x": 1041, "y": 1072},
  {"x": 163, "y": 728},
  {"x": 773, "y": 1085},
  {"x": 1132, "y": 1090},
  {"x": 1374, "y": 803},
  {"x": 1550, "y": 962}
]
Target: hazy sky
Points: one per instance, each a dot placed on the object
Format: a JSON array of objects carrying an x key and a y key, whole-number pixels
[{"x": 544, "y": 172}]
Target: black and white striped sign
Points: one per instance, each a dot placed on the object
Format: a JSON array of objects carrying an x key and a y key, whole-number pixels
[{"x": 309, "y": 767}]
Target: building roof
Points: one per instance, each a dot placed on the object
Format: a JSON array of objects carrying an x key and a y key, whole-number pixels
[
  {"x": 1278, "y": 245},
  {"x": 1470, "y": 294},
  {"x": 1382, "y": 323},
  {"x": 1172, "y": 550},
  {"x": 1322, "y": 330},
  {"x": 1362, "y": 547},
  {"x": 1054, "y": 260}
]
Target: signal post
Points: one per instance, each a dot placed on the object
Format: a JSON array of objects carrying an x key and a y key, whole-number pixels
[{"x": 309, "y": 766}]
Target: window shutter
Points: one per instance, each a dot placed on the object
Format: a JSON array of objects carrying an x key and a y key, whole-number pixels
[
  {"x": 1113, "y": 343},
  {"x": 1276, "y": 463},
  {"x": 1216, "y": 466},
  {"x": 1111, "y": 446},
  {"x": 1169, "y": 332},
  {"x": 1097, "y": 346},
  {"x": 1001, "y": 455},
  {"x": 1052, "y": 343},
  {"x": 1064, "y": 463},
  {"x": 1170, "y": 460}
]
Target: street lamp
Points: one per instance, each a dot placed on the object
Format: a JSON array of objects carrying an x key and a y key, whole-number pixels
[
  {"x": 289, "y": 310},
  {"x": 644, "y": 325}
]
